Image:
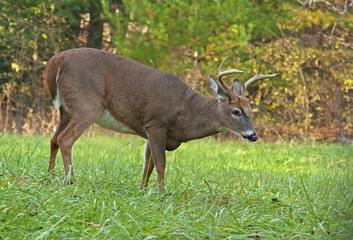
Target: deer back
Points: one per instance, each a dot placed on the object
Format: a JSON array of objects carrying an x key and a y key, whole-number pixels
[{"x": 132, "y": 92}]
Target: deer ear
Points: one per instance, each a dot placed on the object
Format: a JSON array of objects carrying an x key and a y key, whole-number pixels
[
  {"x": 236, "y": 86},
  {"x": 217, "y": 90}
]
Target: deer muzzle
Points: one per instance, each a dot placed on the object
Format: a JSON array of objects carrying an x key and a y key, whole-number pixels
[{"x": 252, "y": 136}]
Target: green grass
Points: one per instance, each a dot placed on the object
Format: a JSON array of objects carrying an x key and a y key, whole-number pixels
[{"x": 233, "y": 190}]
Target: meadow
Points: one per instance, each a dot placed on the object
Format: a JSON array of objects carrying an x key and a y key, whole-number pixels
[{"x": 214, "y": 190}]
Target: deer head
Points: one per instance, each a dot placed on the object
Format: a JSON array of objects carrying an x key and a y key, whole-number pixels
[{"x": 234, "y": 108}]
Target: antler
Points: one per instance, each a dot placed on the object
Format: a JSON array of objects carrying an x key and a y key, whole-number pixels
[
  {"x": 258, "y": 76},
  {"x": 221, "y": 74}
]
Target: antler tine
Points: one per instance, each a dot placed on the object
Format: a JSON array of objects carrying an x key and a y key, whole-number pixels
[
  {"x": 220, "y": 66},
  {"x": 221, "y": 74},
  {"x": 258, "y": 76}
]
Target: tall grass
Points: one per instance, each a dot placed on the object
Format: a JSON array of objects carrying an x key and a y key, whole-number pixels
[{"x": 232, "y": 190}]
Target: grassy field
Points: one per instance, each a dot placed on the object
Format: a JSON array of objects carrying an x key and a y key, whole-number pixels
[{"x": 229, "y": 190}]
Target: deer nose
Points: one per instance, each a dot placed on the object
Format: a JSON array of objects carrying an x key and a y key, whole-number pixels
[{"x": 252, "y": 137}]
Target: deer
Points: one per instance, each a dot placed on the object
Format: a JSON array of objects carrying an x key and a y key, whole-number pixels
[{"x": 90, "y": 86}]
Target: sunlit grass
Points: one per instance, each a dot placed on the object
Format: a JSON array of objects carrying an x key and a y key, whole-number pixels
[{"x": 215, "y": 190}]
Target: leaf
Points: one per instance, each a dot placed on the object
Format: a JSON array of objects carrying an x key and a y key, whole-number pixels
[{"x": 14, "y": 66}]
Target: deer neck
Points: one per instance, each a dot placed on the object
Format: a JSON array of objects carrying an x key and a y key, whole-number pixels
[{"x": 200, "y": 118}]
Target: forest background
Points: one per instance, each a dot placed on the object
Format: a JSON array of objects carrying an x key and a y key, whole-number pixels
[{"x": 308, "y": 42}]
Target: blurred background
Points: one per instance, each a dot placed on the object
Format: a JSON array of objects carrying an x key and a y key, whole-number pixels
[{"x": 308, "y": 42}]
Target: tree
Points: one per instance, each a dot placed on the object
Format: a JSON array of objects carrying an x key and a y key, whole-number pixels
[
  {"x": 31, "y": 32},
  {"x": 309, "y": 42}
]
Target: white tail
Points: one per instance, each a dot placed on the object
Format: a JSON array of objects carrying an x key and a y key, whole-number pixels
[{"x": 93, "y": 86}]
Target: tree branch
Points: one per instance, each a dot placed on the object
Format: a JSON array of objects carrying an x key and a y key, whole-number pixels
[{"x": 334, "y": 8}]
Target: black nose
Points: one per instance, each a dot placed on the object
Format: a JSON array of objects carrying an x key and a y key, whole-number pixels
[{"x": 252, "y": 137}]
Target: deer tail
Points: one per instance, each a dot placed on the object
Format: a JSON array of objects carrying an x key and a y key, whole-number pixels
[{"x": 52, "y": 75}]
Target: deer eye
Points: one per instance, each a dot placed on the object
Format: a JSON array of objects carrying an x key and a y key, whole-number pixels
[{"x": 236, "y": 112}]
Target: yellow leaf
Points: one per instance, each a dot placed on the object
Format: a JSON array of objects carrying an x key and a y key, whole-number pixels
[
  {"x": 44, "y": 36},
  {"x": 15, "y": 67},
  {"x": 235, "y": 31}
]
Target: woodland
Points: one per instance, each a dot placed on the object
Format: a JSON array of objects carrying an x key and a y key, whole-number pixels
[{"x": 308, "y": 42}]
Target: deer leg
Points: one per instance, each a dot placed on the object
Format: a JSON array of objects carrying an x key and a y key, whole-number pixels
[
  {"x": 148, "y": 166},
  {"x": 157, "y": 142},
  {"x": 54, "y": 147},
  {"x": 76, "y": 127}
]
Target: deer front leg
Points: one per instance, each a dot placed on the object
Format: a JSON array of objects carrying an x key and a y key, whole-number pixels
[
  {"x": 147, "y": 167},
  {"x": 157, "y": 143}
]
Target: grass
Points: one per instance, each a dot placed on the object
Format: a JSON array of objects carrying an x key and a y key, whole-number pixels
[{"x": 229, "y": 190}]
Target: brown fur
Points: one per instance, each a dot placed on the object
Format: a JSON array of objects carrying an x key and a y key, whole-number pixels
[
  {"x": 244, "y": 105},
  {"x": 156, "y": 105},
  {"x": 50, "y": 77}
]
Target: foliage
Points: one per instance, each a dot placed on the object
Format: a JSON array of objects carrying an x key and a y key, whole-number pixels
[
  {"x": 217, "y": 191},
  {"x": 179, "y": 35},
  {"x": 322, "y": 98},
  {"x": 310, "y": 43},
  {"x": 32, "y": 31},
  {"x": 310, "y": 97}
]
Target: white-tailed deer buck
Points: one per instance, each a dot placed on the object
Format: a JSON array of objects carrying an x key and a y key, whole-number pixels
[{"x": 93, "y": 86}]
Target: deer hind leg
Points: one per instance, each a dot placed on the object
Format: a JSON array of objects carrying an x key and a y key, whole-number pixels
[
  {"x": 148, "y": 166},
  {"x": 78, "y": 124},
  {"x": 54, "y": 147}
]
